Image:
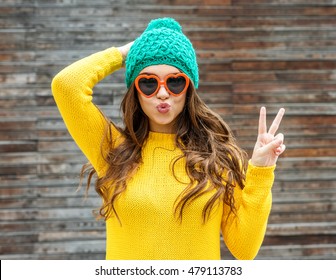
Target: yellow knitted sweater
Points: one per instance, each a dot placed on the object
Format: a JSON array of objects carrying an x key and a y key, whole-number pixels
[{"x": 148, "y": 228}]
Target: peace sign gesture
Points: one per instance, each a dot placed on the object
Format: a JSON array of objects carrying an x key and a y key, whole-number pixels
[{"x": 268, "y": 146}]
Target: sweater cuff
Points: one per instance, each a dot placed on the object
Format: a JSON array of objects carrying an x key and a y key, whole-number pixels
[
  {"x": 261, "y": 176},
  {"x": 260, "y": 169},
  {"x": 116, "y": 59}
]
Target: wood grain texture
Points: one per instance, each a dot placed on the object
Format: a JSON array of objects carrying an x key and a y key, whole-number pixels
[{"x": 251, "y": 53}]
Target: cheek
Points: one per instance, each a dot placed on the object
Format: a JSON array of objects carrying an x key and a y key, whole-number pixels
[
  {"x": 144, "y": 103},
  {"x": 180, "y": 102}
]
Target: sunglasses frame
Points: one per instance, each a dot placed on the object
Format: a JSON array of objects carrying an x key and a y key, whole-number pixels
[{"x": 161, "y": 83}]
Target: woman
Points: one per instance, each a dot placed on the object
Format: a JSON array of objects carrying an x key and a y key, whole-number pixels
[{"x": 173, "y": 178}]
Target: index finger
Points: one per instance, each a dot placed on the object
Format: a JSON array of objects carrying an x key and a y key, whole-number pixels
[{"x": 276, "y": 123}]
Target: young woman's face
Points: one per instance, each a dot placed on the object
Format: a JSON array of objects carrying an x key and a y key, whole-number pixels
[{"x": 162, "y": 108}]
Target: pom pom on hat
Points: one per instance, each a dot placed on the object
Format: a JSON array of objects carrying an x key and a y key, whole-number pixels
[
  {"x": 164, "y": 22},
  {"x": 163, "y": 42}
]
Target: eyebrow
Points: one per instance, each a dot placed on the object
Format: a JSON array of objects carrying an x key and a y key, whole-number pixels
[
  {"x": 149, "y": 73},
  {"x": 146, "y": 73}
]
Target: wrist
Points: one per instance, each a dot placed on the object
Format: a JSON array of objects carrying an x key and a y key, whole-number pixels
[{"x": 123, "y": 55}]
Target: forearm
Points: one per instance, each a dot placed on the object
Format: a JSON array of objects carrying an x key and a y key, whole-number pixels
[
  {"x": 244, "y": 232},
  {"x": 81, "y": 76}
]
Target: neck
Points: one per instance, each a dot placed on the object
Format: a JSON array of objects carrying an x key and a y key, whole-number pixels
[{"x": 168, "y": 129}]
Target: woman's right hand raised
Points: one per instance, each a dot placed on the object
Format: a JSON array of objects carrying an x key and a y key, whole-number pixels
[{"x": 124, "y": 51}]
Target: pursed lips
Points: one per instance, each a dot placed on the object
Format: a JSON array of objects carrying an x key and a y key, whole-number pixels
[{"x": 163, "y": 107}]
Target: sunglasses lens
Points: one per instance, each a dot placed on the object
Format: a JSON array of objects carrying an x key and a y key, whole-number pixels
[
  {"x": 176, "y": 84},
  {"x": 147, "y": 86}
]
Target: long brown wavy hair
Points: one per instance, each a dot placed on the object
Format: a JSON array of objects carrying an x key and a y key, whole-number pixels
[{"x": 211, "y": 153}]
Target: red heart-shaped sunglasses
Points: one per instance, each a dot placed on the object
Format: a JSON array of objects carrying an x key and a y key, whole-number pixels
[{"x": 149, "y": 85}]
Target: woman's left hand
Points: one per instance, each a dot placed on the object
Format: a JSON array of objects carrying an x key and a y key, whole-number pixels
[{"x": 268, "y": 146}]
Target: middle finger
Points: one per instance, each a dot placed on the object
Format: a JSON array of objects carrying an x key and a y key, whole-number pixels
[{"x": 276, "y": 123}]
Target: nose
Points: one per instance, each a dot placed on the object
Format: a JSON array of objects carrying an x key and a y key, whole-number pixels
[{"x": 162, "y": 93}]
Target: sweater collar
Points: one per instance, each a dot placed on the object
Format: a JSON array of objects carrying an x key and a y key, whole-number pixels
[{"x": 158, "y": 136}]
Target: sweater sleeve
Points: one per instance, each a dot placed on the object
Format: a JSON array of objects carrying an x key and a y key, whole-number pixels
[
  {"x": 244, "y": 232},
  {"x": 72, "y": 89}
]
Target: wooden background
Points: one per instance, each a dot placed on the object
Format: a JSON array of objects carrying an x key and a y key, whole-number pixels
[{"x": 251, "y": 53}]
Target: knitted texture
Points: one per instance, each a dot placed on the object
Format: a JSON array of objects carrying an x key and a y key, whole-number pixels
[
  {"x": 149, "y": 229},
  {"x": 163, "y": 42}
]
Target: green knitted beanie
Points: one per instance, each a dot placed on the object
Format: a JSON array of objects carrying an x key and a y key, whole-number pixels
[{"x": 162, "y": 43}]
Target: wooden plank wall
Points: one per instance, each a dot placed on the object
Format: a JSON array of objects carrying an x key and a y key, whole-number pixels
[{"x": 251, "y": 53}]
